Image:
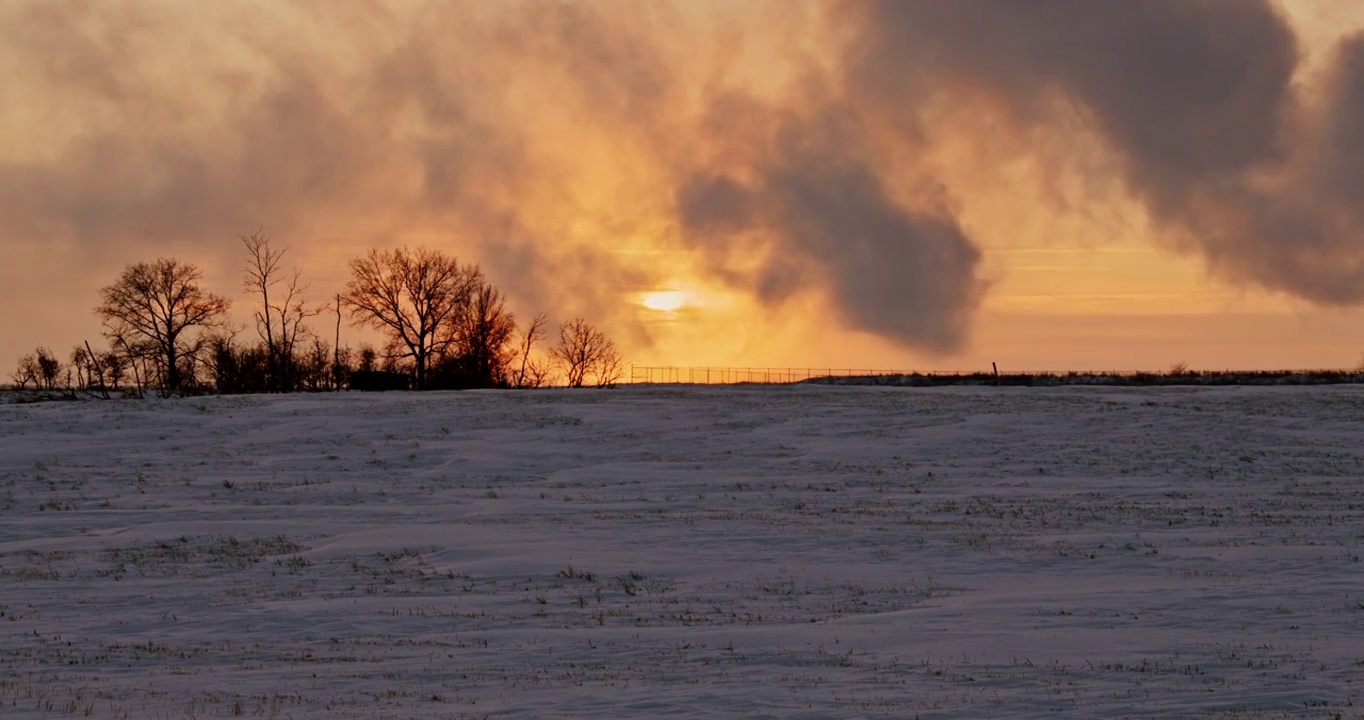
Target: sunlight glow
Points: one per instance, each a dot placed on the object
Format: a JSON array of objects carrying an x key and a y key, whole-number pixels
[{"x": 664, "y": 300}]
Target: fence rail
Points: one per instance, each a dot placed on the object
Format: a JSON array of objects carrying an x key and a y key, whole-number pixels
[
  {"x": 733, "y": 375},
  {"x": 641, "y": 374}
]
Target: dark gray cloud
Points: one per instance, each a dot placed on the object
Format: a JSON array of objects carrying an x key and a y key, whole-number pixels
[
  {"x": 1339, "y": 155},
  {"x": 1196, "y": 100},
  {"x": 1184, "y": 89},
  {"x": 821, "y": 208}
]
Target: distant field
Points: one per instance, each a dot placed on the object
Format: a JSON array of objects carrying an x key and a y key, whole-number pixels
[
  {"x": 1207, "y": 378},
  {"x": 796, "y": 551}
]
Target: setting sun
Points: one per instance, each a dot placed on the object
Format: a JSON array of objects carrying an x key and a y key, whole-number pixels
[{"x": 664, "y": 300}]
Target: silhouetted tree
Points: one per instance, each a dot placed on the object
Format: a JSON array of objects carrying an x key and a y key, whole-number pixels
[
  {"x": 585, "y": 352},
  {"x": 115, "y": 366},
  {"x": 415, "y": 296},
  {"x": 341, "y": 367},
  {"x": 190, "y": 367},
  {"x": 234, "y": 368},
  {"x": 137, "y": 357},
  {"x": 314, "y": 365},
  {"x": 609, "y": 370},
  {"x": 279, "y": 319},
  {"x": 84, "y": 367},
  {"x": 224, "y": 364},
  {"x": 369, "y": 359},
  {"x": 480, "y": 354},
  {"x": 89, "y": 369},
  {"x": 27, "y": 372},
  {"x": 530, "y": 371},
  {"x": 157, "y": 303},
  {"x": 49, "y": 367}
]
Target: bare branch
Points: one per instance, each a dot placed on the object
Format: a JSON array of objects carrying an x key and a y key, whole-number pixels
[
  {"x": 155, "y": 303},
  {"x": 529, "y": 374},
  {"x": 415, "y": 296},
  {"x": 585, "y": 352},
  {"x": 282, "y": 311}
]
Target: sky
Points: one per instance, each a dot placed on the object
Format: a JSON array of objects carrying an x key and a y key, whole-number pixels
[{"x": 1057, "y": 184}]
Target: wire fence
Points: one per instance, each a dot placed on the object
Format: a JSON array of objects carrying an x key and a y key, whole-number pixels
[
  {"x": 734, "y": 375},
  {"x": 642, "y": 374}
]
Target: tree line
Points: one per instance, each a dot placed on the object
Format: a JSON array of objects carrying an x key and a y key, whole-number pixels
[{"x": 444, "y": 327}]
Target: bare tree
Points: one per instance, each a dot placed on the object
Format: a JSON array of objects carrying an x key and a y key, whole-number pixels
[
  {"x": 279, "y": 322},
  {"x": 608, "y": 370},
  {"x": 192, "y": 367},
  {"x": 368, "y": 359},
  {"x": 315, "y": 365},
  {"x": 115, "y": 366},
  {"x": 483, "y": 331},
  {"x": 338, "y": 370},
  {"x": 225, "y": 363},
  {"x": 27, "y": 372},
  {"x": 136, "y": 356},
  {"x": 531, "y": 372},
  {"x": 235, "y": 368},
  {"x": 84, "y": 366},
  {"x": 157, "y": 303},
  {"x": 49, "y": 367},
  {"x": 585, "y": 352},
  {"x": 415, "y": 296},
  {"x": 342, "y": 359},
  {"x": 96, "y": 369}
]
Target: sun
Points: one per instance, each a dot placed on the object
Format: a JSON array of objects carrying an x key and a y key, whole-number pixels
[{"x": 663, "y": 300}]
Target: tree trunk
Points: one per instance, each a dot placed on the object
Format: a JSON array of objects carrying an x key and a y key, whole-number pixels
[
  {"x": 172, "y": 364},
  {"x": 172, "y": 373}
]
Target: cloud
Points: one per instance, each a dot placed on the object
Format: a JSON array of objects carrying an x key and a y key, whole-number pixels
[
  {"x": 787, "y": 149},
  {"x": 1197, "y": 102},
  {"x": 818, "y": 211},
  {"x": 511, "y": 135}
]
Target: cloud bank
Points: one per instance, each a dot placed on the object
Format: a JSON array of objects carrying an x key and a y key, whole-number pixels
[{"x": 782, "y": 149}]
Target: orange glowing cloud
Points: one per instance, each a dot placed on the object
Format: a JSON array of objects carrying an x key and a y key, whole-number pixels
[{"x": 712, "y": 182}]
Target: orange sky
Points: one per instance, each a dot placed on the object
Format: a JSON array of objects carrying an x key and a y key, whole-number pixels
[{"x": 587, "y": 155}]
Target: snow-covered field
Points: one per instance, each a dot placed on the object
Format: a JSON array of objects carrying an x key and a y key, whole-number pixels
[{"x": 687, "y": 552}]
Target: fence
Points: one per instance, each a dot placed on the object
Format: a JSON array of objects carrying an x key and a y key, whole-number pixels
[
  {"x": 731, "y": 375},
  {"x": 775, "y": 376}
]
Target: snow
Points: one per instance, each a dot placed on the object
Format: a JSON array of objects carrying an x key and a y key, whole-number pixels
[{"x": 788, "y": 551}]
